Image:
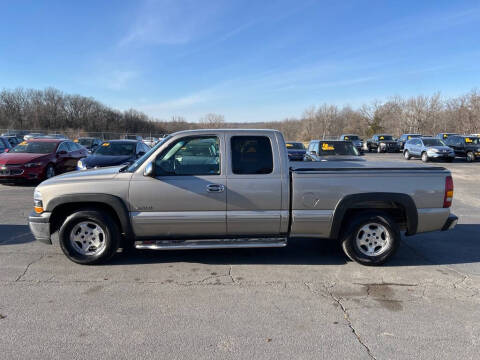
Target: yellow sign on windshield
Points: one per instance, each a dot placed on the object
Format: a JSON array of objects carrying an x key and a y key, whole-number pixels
[
  {"x": 106, "y": 144},
  {"x": 468, "y": 140},
  {"x": 445, "y": 136},
  {"x": 409, "y": 137},
  {"x": 76, "y": 140},
  {"x": 289, "y": 145},
  {"x": 327, "y": 147},
  {"x": 346, "y": 138},
  {"x": 382, "y": 137},
  {"x": 23, "y": 143}
]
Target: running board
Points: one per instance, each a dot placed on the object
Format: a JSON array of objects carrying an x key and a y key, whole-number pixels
[{"x": 210, "y": 244}]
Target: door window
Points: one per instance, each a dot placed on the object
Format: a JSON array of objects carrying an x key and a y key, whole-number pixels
[
  {"x": 190, "y": 156},
  {"x": 63, "y": 147},
  {"x": 251, "y": 155}
]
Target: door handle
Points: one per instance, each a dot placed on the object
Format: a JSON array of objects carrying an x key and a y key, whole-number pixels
[{"x": 215, "y": 188}]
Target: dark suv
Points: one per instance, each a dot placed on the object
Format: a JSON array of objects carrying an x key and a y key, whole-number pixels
[
  {"x": 382, "y": 143},
  {"x": 465, "y": 146}
]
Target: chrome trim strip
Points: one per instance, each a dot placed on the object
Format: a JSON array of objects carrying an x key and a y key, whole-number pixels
[
  {"x": 312, "y": 215},
  {"x": 147, "y": 217},
  {"x": 260, "y": 215}
]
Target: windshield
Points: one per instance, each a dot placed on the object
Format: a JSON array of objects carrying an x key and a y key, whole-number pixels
[
  {"x": 143, "y": 158},
  {"x": 472, "y": 141},
  {"x": 85, "y": 142},
  {"x": 433, "y": 142},
  {"x": 350, "y": 137},
  {"x": 35, "y": 147},
  {"x": 337, "y": 148},
  {"x": 385, "y": 137},
  {"x": 295, "y": 146},
  {"x": 116, "y": 149}
]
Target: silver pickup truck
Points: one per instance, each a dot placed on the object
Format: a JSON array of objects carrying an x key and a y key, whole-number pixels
[{"x": 236, "y": 188}]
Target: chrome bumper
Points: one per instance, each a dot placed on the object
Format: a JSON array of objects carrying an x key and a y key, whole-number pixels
[{"x": 40, "y": 226}]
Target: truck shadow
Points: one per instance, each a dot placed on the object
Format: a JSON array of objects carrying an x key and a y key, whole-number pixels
[
  {"x": 297, "y": 252},
  {"x": 458, "y": 246},
  {"x": 15, "y": 235}
]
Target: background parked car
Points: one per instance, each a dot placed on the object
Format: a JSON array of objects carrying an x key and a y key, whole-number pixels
[
  {"x": 334, "y": 150},
  {"x": 55, "y": 136},
  {"x": 428, "y": 149},
  {"x": 444, "y": 136},
  {"x": 90, "y": 143},
  {"x": 405, "y": 137},
  {"x": 355, "y": 139},
  {"x": 296, "y": 150},
  {"x": 5, "y": 145},
  {"x": 465, "y": 146},
  {"x": 113, "y": 153},
  {"x": 382, "y": 143},
  {"x": 13, "y": 140},
  {"x": 40, "y": 159},
  {"x": 150, "y": 141},
  {"x": 132, "y": 137},
  {"x": 30, "y": 136}
]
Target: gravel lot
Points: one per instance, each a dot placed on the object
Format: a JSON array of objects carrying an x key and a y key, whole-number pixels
[{"x": 304, "y": 301}]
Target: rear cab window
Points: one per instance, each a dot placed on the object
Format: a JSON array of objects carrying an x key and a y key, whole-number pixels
[{"x": 251, "y": 155}]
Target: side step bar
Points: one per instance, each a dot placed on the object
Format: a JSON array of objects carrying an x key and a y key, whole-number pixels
[{"x": 210, "y": 244}]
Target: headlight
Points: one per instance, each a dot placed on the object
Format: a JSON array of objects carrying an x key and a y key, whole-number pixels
[
  {"x": 81, "y": 165},
  {"x": 33, "y": 164},
  {"x": 37, "y": 202},
  {"x": 433, "y": 150}
]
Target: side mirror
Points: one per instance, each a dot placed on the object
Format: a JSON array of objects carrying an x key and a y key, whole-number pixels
[
  {"x": 148, "y": 171},
  {"x": 63, "y": 152},
  {"x": 313, "y": 152},
  {"x": 140, "y": 153}
]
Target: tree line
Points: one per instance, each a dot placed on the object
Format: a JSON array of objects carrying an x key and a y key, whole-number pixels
[{"x": 53, "y": 110}]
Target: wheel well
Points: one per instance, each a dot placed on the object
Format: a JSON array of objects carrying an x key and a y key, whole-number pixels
[
  {"x": 62, "y": 211},
  {"x": 395, "y": 210}
]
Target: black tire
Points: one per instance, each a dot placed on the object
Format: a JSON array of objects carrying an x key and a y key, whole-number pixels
[
  {"x": 104, "y": 221},
  {"x": 449, "y": 160},
  {"x": 49, "y": 171},
  {"x": 425, "y": 157},
  {"x": 349, "y": 242},
  {"x": 406, "y": 155},
  {"x": 470, "y": 156}
]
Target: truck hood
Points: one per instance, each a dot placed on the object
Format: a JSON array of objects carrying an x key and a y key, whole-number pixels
[
  {"x": 105, "y": 173},
  {"x": 20, "y": 158},
  {"x": 106, "y": 160}
]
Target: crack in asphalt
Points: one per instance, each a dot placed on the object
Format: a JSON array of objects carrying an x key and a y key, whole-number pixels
[
  {"x": 346, "y": 316},
  {"x": 28, "y": 267},
  {"x": 230, "y": 274}
]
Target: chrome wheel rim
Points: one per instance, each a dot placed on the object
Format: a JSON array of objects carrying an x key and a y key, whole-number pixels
[
  {"x": 406, "y": 155},
  {"x": 424, "y": 157},
  {"x": 50, "y": 172},
  {"x": 88, "y": 238},
  {"x": 373, "y": 239}
]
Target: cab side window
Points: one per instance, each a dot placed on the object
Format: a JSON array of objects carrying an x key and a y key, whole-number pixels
[
  {"x": 190, "y": 156},
  {"x": 63, "y": 147},
  {"x": 251, "y": 155}
]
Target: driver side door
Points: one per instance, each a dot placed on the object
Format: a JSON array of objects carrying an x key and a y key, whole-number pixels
[{"x": 186, "y": 196}]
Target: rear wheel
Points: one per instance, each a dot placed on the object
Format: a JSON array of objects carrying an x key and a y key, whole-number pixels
[
  {"x": 425, "y": 157},
  {"x": 470, "y": 156},
  {"x": 406, "y": 154},
  {"x": 49, "y": 171},
  {"x": 89, "y": 237},
  {"x": 371, "y": 238}
]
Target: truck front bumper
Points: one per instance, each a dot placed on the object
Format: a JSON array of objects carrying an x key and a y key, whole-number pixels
[
  {"x": 40, "y": 226},
  {"x": 450, "y": 223}
]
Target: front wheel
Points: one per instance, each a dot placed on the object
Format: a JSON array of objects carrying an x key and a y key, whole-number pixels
[
  {"x": 379, "y": 150},
  {"x": 406, "y": 154},
  {"x": 470, "y": 156},
  {"x": 425, "y": 157},
  {"x": 371, "y": 238},
  {"x": 89, "y": 236}
]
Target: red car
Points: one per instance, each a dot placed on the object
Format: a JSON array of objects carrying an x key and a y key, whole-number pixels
[{"x": 40, "y": 159}]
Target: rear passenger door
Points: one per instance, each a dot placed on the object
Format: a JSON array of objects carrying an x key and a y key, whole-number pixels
[{"x": 254, "y": 186}]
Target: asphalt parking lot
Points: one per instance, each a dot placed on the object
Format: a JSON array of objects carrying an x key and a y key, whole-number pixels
[{"x": 304, "y": 301}]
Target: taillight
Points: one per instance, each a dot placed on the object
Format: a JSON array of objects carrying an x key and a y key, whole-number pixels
[{"x": 447, "y": 200}]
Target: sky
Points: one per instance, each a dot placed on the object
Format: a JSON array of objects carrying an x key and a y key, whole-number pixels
[{"x": 248, "y": 60}]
